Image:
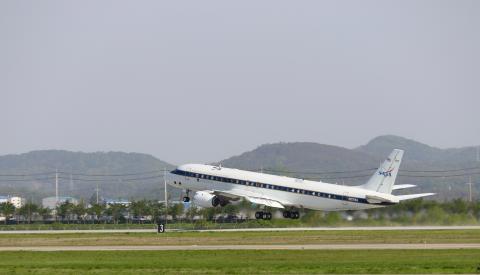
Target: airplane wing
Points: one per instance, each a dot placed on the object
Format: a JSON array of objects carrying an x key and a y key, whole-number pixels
[
  {"x": 267, "y": 202},
  {"x": 402, "y": 186},
  {"x": 253, "y": 198},
  {"x": 413, "y": 196}
]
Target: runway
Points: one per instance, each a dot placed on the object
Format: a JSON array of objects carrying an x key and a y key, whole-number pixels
[
  {"x": 245, "y": 247},
  {"x": 369, "y": 228}
]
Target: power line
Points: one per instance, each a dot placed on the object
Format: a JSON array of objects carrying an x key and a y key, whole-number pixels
[
  {"x": 82, "y": 174},
  {"x": 440, "y": 171},
  {"x": 368, "y": 169},
  {"x": 400, "y": 175},
  {"x": 114, "y": 180},
  {"x": 327, "y": 177},
  {"x": 27, "y": 175},
  {"x": 440, "y": 176},
  {"x": 113, "y": 175},
  {"x": 268, "y": 170},
  {"x": 319, "y": 173}
]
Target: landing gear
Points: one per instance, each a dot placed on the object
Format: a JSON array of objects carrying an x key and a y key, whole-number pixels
[
  {"x": 260, "y": 215},
  {"x": 215, "y": 201},
  {"x": 291, "y": 215},
  {"x": 187, "y": 197}
]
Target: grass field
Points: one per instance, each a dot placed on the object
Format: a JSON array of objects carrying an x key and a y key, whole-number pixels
[
  {"x": 233, "y": 238},
  {"x": 243, "y": 262}
]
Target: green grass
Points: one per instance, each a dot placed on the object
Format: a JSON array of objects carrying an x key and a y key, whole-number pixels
[
  {"x": 234, "y": 238},
  {"x": 243, "y": 262},
  {"x": 311, "y": 219}
]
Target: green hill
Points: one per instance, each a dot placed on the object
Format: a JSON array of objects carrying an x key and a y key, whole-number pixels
[
  {"x": 73, "y": 168},
  {"x": 304, "y": 159},
  {"x": 302, "y": 156}
]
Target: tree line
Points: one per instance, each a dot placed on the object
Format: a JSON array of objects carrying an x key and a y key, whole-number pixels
[{"x": 151, "y": 211}]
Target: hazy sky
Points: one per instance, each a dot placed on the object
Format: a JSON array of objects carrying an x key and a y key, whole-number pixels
[{"x": 199, "y": 81}]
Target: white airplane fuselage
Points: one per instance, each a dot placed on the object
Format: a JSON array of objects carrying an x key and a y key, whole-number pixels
[{"x": 290, "y": 192}]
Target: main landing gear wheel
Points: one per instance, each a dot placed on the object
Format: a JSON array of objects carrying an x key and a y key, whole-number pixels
[
  {"x": 260, "y": 215},
  {"x": 291, "y": 215}
]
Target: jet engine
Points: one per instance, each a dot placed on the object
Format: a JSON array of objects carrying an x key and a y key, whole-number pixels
[{"x": 206, "y": 200}]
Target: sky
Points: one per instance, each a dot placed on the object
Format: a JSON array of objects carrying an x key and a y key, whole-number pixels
[{"x": 200, "y": 81}]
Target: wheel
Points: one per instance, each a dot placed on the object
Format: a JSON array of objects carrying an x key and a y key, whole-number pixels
[
  {"x": 265, "y": 216},
  {"x": 269, "y": 216},
  {"x": 296, "y": 215},
  {"x": 215, "y": 201},
  {"x": 186, "y": 199},
  {"x": 286, "y": 214},
  {"x": 258, "y": 215}
]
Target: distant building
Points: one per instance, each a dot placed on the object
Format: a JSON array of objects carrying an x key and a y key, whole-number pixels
[
  {"x": 123, "y": 202},
  {"x": 16, "y": 201},
  {"x": 51, "y": 202}
]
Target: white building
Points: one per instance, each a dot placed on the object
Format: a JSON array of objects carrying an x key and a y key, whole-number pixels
[
  {"x": 16, "y": 201},
  {"x": 51, "y": 202}
]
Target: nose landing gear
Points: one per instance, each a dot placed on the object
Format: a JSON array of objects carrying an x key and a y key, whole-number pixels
[{"x": 187, "y": 196}]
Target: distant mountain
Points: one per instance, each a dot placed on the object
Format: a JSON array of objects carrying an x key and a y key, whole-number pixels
[
  {"x": 302, "y": 156},
  {"x": 416, "y": 151},
  {"x": 310, "y": 157},
  {"x": 421, "y": 153},
  {"x": 73, "y": 168},
  {"x": 305, "y": 159}
]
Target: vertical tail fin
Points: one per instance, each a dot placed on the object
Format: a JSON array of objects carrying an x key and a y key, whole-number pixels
[{"x": 384, "y": 178}]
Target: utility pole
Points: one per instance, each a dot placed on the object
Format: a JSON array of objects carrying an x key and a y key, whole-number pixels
[
  {"x": 71, "y": 184},
  {"x": 56, "y": 187},
  {"x": 165, "y": 193},
  {"x": 470, "y": 189},
  {"x": 97, "y": 192}
]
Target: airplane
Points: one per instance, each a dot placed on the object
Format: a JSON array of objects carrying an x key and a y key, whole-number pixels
[{"x": 218, "y": 186}]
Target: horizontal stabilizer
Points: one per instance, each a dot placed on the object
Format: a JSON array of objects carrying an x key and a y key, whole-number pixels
[
  {"x": 377, "y": 199},
  {"x": 402, "y": 186},
  {"x": 413, "y": 196}
]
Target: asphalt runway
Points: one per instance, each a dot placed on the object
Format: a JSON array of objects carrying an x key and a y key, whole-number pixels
[
  {"x": 371, "y": 228},
  {"x": 245, "y": 247}
]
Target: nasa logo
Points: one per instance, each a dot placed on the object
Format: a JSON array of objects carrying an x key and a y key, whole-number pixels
[{"x": 387, "y": 173}]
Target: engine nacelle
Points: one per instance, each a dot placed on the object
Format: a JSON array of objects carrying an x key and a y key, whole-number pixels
[{"x": 205, "y": 199}]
